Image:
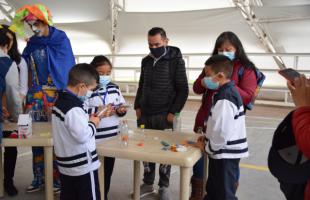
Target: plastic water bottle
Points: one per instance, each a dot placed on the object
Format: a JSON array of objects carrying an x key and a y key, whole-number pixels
[
  {"x": 142, "y": 131},
  {"x": 177, "y": 123},
  {"x": 124, "y": 134}
]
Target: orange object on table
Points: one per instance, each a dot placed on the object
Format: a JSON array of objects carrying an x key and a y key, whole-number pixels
[
  {"x": 140, "y": 144},
  {"x": 125, "y": 138}
]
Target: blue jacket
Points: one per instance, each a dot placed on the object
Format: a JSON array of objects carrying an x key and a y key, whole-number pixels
[{"x": 60, "y": 58}]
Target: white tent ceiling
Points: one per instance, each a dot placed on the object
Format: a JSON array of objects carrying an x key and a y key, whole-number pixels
[{"x": 88, "y": 23}]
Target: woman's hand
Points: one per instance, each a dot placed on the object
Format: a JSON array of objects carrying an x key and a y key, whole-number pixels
[{"x": 300, "y": 90}]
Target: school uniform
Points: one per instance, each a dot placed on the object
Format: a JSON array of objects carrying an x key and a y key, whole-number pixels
[
  {"x": 75, "y": 148},
  {"x": 109, "y": 126},
  {"x": 226, "y": 143}
]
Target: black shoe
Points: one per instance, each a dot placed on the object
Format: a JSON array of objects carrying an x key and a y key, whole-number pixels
[{"x": 10, "y": 188}]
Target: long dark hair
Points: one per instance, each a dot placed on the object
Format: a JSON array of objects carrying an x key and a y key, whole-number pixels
[
  {"x": 13, "y": 52},
  {"x": 233, "y": 39}
]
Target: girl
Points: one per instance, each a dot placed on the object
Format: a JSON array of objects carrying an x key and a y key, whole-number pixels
[{"x": 107, "y": 93}]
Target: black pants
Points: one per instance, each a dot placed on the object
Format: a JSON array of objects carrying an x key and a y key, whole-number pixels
[
  {"x": 223, "y": 180},
  {"x": 10, "y": 156},
  {"x": 85, "y": 187},
  {"x": 108, "y": 170},
  {"x": 157, "y": 122},
  {"x": 293, "y": 191}
]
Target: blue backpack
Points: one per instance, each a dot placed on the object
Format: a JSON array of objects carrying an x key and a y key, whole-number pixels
[{"x": 260, "y": 78}]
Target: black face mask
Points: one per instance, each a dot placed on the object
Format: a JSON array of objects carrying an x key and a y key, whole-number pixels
[{"x": 157, "y": 52}]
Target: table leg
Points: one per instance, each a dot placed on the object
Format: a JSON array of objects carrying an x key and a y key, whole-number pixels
[
  {"x": 205, "y": 173},
  {"x": 136, "y": 180},
  {"x": 1, "y": 174},
  {"x": 184, "y": 182},
  {"x": 101, "y": 177},
  {"x": 48, "y": 164}
]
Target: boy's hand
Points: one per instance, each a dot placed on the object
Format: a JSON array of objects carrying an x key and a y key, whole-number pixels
[
  {"x": 121, "y": 110},
  {"x": 94, "y": 120},
  {"x": 201, "y": 143}
]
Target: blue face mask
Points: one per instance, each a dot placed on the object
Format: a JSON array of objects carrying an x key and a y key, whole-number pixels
[
  {"x": 210, "y": 83},
  {"x": 104, "y": 80},
  {"x": 86, "y": 96},
  {"x": 228, "y": 54}
]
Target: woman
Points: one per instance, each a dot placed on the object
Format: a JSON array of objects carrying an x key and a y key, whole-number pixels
[
  {"x": 16, "y": 79},
  {"x": 300, "y": 90},
  {"x": 7, "y": 65},
  {"x": 16, "y": 89},
  {"x": 229, "y": 45}
]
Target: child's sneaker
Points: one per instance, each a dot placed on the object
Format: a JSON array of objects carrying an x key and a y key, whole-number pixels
[
  {"x": 56, "y": 188},
  {"x": 35, "y": 186}
]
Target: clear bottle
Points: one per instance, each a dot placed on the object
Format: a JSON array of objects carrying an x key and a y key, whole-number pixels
[
  {"x": 177, "y": 123},
  {"x": 142, "y": 131},
  {"x": 124, "y": 134}
]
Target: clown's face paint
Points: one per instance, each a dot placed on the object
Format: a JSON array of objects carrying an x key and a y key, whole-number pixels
[{"x": 38, "y": 27}]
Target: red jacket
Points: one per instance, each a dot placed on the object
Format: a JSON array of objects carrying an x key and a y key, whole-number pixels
[
  {"x": 301, "y": 129},
  {"x": 246, "y": 88}
]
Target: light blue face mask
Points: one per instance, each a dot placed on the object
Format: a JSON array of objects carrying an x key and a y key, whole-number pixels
[
  {"x": 210, "y": 83},
  {"x": 228, "y": 54},
  {"x": 104, "y": 80},
  {"x": 86, "y": 96}
]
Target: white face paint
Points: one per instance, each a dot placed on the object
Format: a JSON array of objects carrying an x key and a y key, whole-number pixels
[{"x": 37, "y": 31}]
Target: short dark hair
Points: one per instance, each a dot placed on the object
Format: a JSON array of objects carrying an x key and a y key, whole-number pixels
[
  {"x": 220, "y": 63},
  {"x": 100, "y": 60},
  {"x": 82, "y": 73},
  {"x": 4, "y": 39},
  {"x": 157, "y": 30}
]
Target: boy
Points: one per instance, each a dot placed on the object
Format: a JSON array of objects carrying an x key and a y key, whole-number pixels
[
  {"x": 225, "y": 140},
  {"x": 107, "y": 93},
  {"x": 74, "y": 136}
]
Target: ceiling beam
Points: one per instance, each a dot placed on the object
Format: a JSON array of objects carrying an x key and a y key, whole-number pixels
[
  {"x": 7, "y": 10},
  {"x": 247, "y": 12},
  {"x": 281, "y": 19}
]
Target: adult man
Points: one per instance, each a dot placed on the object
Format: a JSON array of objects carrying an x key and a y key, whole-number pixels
[
  {"x": 50, "y": 58},
  {"x": 162, "y": 92}
]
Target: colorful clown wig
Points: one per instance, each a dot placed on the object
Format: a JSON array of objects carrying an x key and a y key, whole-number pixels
[{"x": 28, "y": 13}]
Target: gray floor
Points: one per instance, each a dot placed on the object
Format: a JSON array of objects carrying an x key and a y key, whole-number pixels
[{"x": 256, "y": 182}]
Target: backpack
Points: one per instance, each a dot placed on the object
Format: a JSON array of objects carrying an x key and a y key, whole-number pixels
[{"x": 260, "y": 78}]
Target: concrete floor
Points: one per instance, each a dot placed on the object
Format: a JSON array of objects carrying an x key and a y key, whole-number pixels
[{"x": 256, "y": 182}]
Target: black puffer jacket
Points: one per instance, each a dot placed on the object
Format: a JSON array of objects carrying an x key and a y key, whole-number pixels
[{"x": 163, "y": 86}]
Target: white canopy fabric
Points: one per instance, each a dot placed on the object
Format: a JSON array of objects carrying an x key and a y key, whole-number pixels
[
  {"x": 193, "y": 26},
  {"x": 193, "y": 30}
]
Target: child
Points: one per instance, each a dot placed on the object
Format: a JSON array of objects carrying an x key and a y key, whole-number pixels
[
  {"x": 225, "y": 141},
  {"x": 6, "y": 63},
  {"x": 107, "y": 93},
  {"x": 74, "y": 136}
]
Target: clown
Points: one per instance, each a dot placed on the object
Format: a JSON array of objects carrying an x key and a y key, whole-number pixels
[{"x": 49, "y": 57}]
